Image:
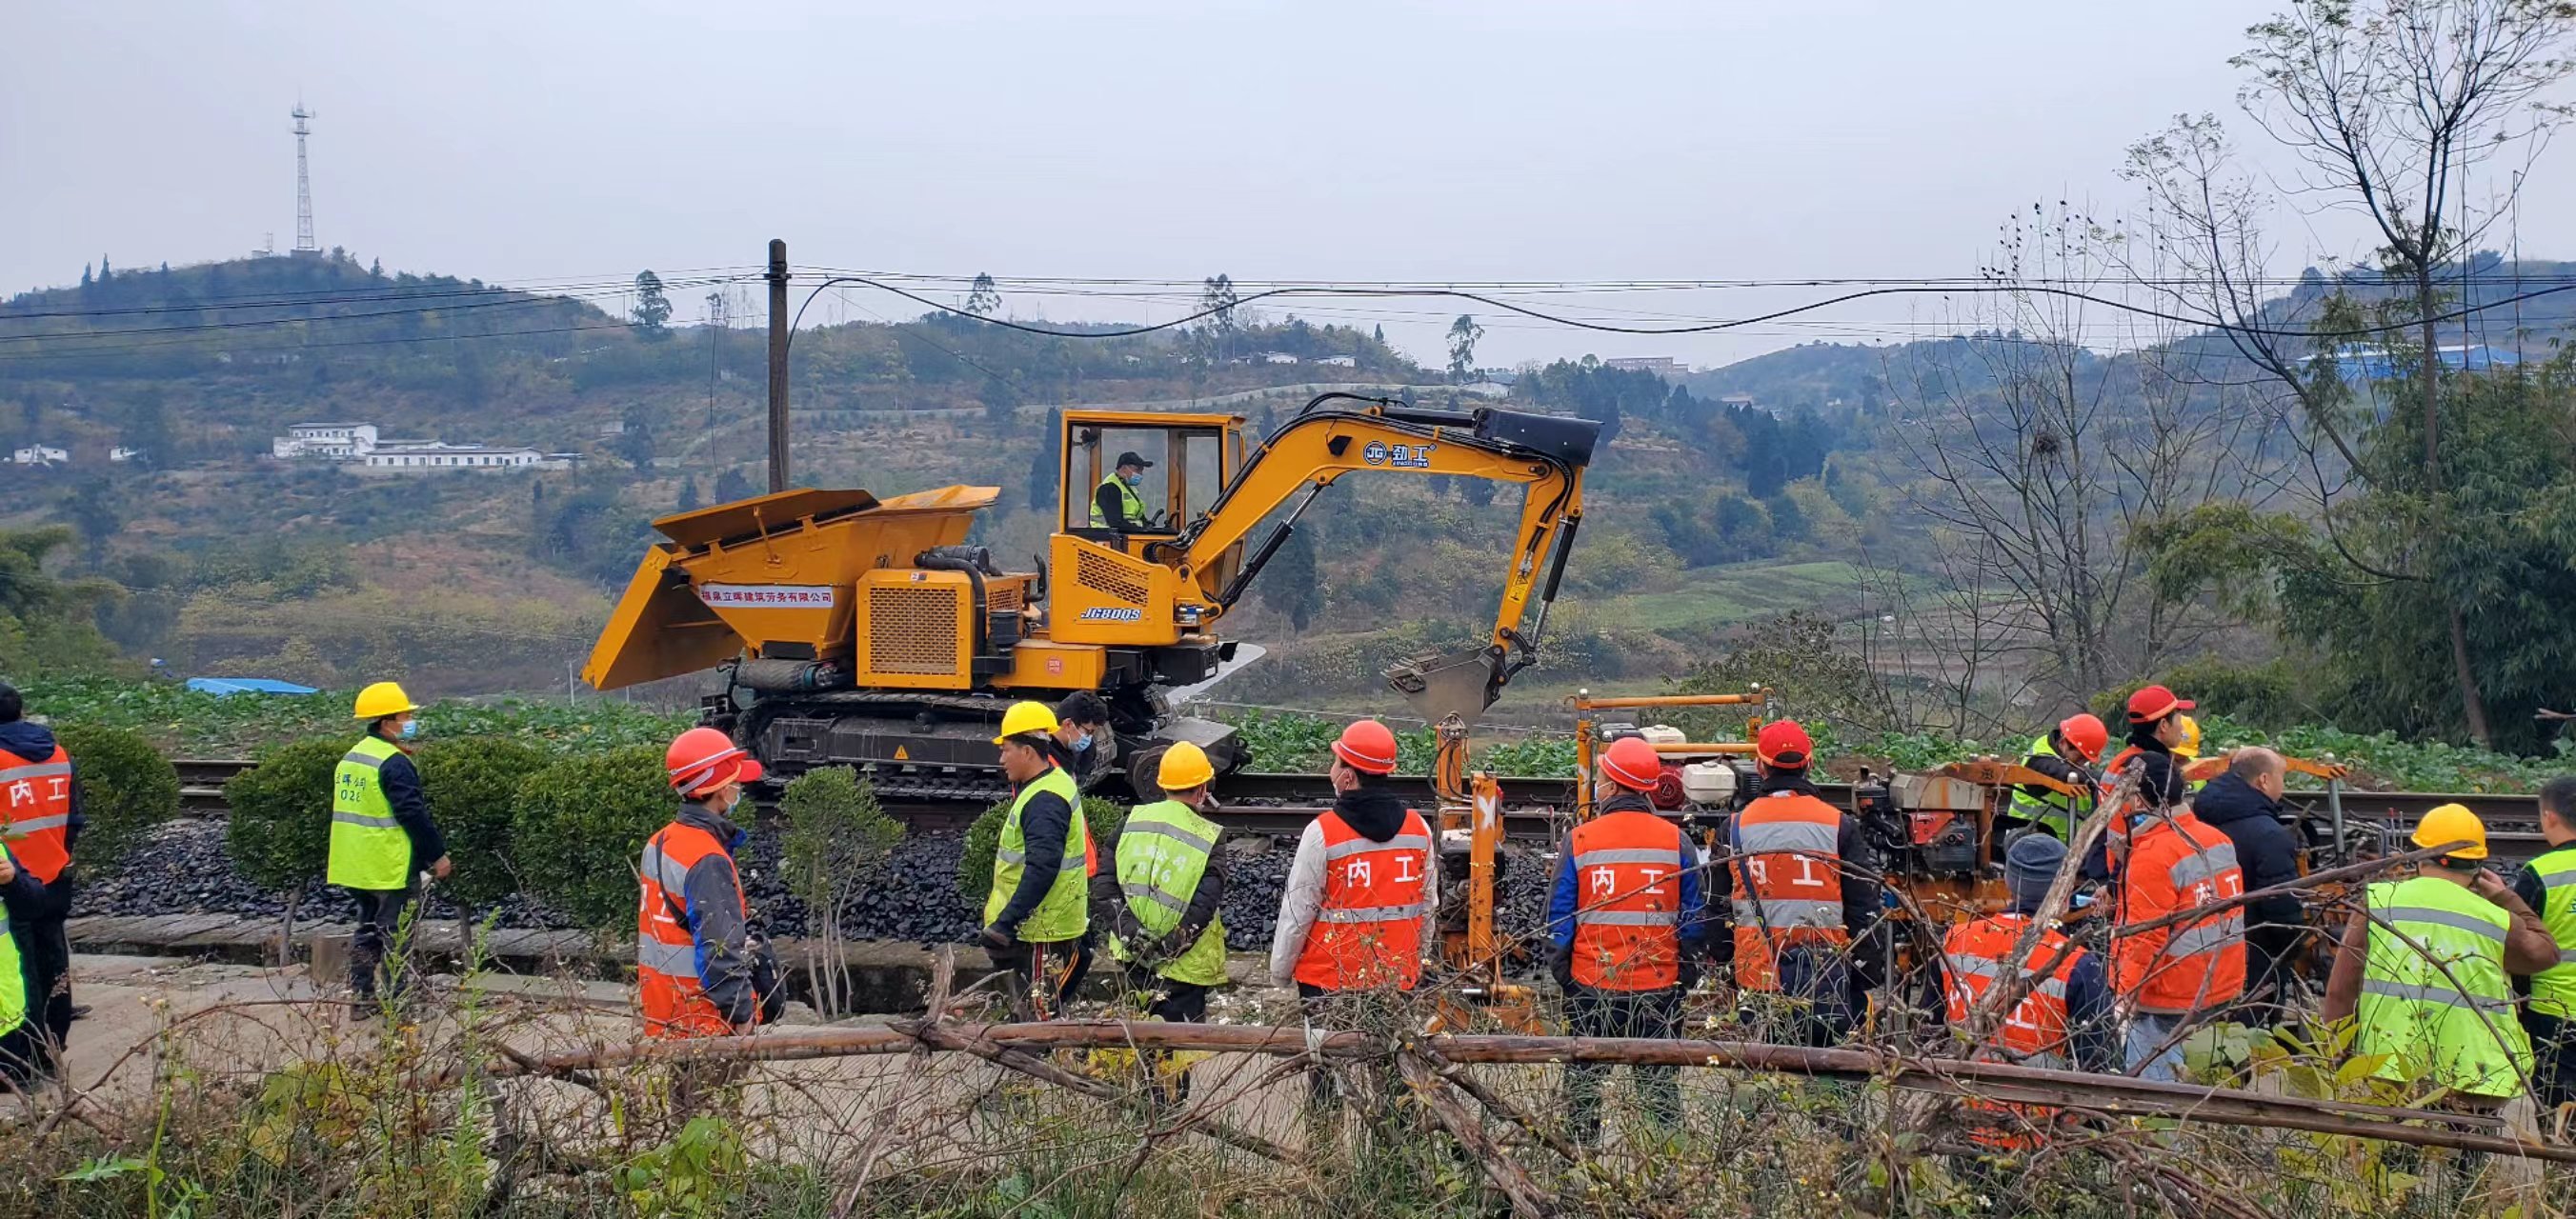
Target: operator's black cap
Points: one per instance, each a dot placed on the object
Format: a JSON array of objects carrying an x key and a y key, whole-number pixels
[{"x": 1132, "y": 458}]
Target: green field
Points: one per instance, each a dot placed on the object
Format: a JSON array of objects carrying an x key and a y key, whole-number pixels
[{"x": 1727, "y": 596}]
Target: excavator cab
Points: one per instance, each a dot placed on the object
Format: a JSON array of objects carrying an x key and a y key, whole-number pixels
[{"x": 1110, "y": 585}]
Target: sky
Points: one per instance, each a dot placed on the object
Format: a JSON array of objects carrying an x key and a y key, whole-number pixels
[{"x": 1445, "y": 143}]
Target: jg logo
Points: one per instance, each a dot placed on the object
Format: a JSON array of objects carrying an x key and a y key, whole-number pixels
[{"x": 1401, "y": 456}]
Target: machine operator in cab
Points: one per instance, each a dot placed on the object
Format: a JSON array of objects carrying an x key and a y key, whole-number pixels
[{"x": 1115, "y": 504}]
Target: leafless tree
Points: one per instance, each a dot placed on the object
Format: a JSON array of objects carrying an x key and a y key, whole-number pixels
[
  {"x": 2041, "y": 462},
  {"x": 2388, "y": 105}
]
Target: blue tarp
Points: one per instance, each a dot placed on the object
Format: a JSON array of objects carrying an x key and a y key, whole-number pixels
[{"x": 221, "y": 686}]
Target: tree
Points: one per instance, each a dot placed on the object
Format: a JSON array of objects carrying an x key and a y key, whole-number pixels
[
  {"x": 278, "y": 830},
  {"x": 2389, "y": 105},
  {"x": 731, "y": 485},
  {"x": 837, "y": 835},
  {"x": 1380, "y": 334},
  {"x": 983, "y": 300},
  {"x": 127, "y": 788},
  {"x": 1291, "y": 585},
  {"x": 1217, "y": 299},
  {"x": 1463, "y": 335},
  {"x": 652, "y": 309},
  {"x": 104, "y": 274},
  {"x": 94, "y": 510},
  {"x": 635, "y": 443},
  {"x": 147, "y": 427},
  {"x": 85, "y": 277},
  {"x": 689, "y": 501},
  {"x": 1042, "y": 465}
]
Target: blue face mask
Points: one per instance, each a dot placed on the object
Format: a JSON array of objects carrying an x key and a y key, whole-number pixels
[
  {"x": 410, "y": 729},
  {"x": 1082, "y": 742},
  {"x": 1134, "y": 480}
]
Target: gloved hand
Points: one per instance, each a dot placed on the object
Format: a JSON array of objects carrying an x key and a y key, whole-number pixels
[{"x": 996, "y": 939}]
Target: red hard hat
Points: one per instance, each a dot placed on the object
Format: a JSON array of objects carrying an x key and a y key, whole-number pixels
[
  {"x": 1782, "y": 743},
  {"x": 703, "y": 759},
  {"x": 1631, "y": 762},
  {"x": 1367, "y": 745},
  {"x": 2086, "y": 733},
  {"x": 2154, "y": 703}
]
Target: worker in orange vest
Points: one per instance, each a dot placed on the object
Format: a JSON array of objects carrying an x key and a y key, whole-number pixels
[
  {"x": 2063, "y": 1021},
  {"x": 1362, "y": 899},
  {"x": 2169, "y": 860},
  {"x": 44, "y": 805},
  {"x": 700, "y": 969},
  {"x": 1807, "y": 897},
  {"x": 1629, "y": 928}
]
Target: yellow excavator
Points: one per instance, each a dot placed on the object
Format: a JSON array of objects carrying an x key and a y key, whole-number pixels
[{"x": 858, "y": 631}]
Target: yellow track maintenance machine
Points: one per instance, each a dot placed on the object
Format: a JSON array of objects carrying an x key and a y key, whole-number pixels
[{"x": 857, "y": 631}]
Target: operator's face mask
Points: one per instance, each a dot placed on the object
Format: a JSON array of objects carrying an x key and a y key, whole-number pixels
[{"x": 1134, "y": 480}]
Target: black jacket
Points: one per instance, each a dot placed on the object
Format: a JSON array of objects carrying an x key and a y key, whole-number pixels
[
  {"x": 2268, "y": 854},
  {"x": 401, "y": 780}
]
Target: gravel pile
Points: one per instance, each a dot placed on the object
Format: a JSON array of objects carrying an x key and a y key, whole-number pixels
[{"x": 912, "y": 897}]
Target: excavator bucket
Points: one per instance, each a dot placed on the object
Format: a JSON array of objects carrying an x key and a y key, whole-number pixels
[{"x": 1440, "y": 684}]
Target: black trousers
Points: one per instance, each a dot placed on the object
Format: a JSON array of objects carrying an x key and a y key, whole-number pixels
[
  {"x": 380, "y": 913},
  {"x": 1822, "y": 998},
  {"x": 2553, "y": 1059},
  {"x": 45, "y": 953},
  {"x": 21, "y": 1059},
  {"x": 1174, "y": 1003},
  {"x": 1617, "y": 1013}
]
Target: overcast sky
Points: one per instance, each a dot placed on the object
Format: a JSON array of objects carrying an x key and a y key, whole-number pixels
[{"x": 1312, "y": 141}]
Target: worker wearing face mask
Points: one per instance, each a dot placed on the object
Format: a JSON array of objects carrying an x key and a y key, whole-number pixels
[
  {"x": 1115, "y": 505},
  {"x": 700, "y": 968},
  {"x": 381, "y": 834}
]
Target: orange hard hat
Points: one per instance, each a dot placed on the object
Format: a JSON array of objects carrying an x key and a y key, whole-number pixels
[
  {"x": 1631, "y": 762},
  {"x": 2087, "y": 733},
  {"x": 703, "y": 759},
  {"x": 1782, "y": 743},
  {"x": 1367, "y": 746}
]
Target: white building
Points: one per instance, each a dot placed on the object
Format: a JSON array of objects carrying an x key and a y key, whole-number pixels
[
  {"x": 1666, "y": 367},
  {"x": 39, "y": 455},
  {"x": 1277, "y": 357},
  {"x": 335, "y": 441},
  {"x": 123, "y": 453},
  {"x": 1340, "y": 361},
  {"x": 438, "y": 456}
]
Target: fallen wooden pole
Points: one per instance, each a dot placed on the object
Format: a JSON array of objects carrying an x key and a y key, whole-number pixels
[{"x": 2111, "y": 1095}]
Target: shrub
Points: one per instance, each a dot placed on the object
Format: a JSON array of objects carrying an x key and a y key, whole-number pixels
[
  {"x": 836, "y": 834},
  {"x": 127, "y": 788},
  {"x": 279, "y": 832},
  {"x": 975, "y": 869},
  {"x": 2264, "y": 695},
  {"x": 579, "y": 827},
  {"x": 473, "y": 786}
]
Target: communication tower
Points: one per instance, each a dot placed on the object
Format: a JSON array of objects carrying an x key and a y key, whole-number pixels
[{"x": 304, "y": 243}]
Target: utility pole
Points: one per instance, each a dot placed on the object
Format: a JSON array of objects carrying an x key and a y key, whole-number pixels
[{"x": 777, "y": 365}]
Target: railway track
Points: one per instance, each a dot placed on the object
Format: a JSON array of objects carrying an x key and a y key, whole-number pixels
[{"x": 1282, "y": 803}]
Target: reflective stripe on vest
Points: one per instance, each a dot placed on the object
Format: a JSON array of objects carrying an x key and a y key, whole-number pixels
[
  {"x": 1132, "y": 505},
  {"x": 2176, "y": 862},
  {"x": 2440, "y": 1010},
  {"x": 1787, "y": 882},
  {"x": 2553, "y": 990},
  {"x": 1064, "y": 913},
  {"x": 369, "y": 849},
  {"x": 2050, "y": 809},
  {"x": 1163, "y": 854},
  {"x": 1627, "y": 867},
  {"x": 39, "y": 792},
  {"x": 1368, "y": 931},
  {"x": 2037, "y": 1032},
  {"x": 667, "y": 960}
]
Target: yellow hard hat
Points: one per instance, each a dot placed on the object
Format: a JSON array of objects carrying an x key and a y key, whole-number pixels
[
  {"x": 1184, "y": 766},
  {"x": 2190, "y": 747},
  {"x": 2453, "y": 823},
  {"x": 382, "y": 699},
  {"x": 1024, "y": 718}
]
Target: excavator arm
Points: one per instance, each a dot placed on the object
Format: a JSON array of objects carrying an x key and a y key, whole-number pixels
[{"x": 1337, "y": 434}]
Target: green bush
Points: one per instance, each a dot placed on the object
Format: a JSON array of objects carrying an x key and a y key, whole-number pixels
[
  {"x": 473, "y": 787},
  {"x": 2261, "y": 696},
  {"x": 579, "y": 827},
  {"x": 975, "y": 869},
  {"x": 835, "y": 832},
  {"x": 127, "y": 788},
  {"x": 279, "y": 832}
]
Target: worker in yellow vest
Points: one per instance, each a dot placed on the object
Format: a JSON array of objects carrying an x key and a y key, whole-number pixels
[
  {"x": 2424, "y": 971},
  {"x": 382, "y": 837},
  {"x": 1170, "y": 885},
  {"x": 22, "y": 1057},
  {"x": 1038, "y": 910},
  {"x": 2548, "y": 885}
]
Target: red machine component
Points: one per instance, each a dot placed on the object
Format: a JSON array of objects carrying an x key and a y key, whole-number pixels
[{"x": 1667, "y": 794}]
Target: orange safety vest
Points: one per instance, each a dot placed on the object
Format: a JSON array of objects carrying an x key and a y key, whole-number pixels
[
  {"x": 2183, "y": 862},
  {"x": 1627, "y": 933},
  {"x": 1788, "y": 883},
  {"x": 40, "y": 811},
  {"x": 1368, "y": 932},
  {"x": 666, "y": 946},
  {"x": 2038, "y": 1032}
]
